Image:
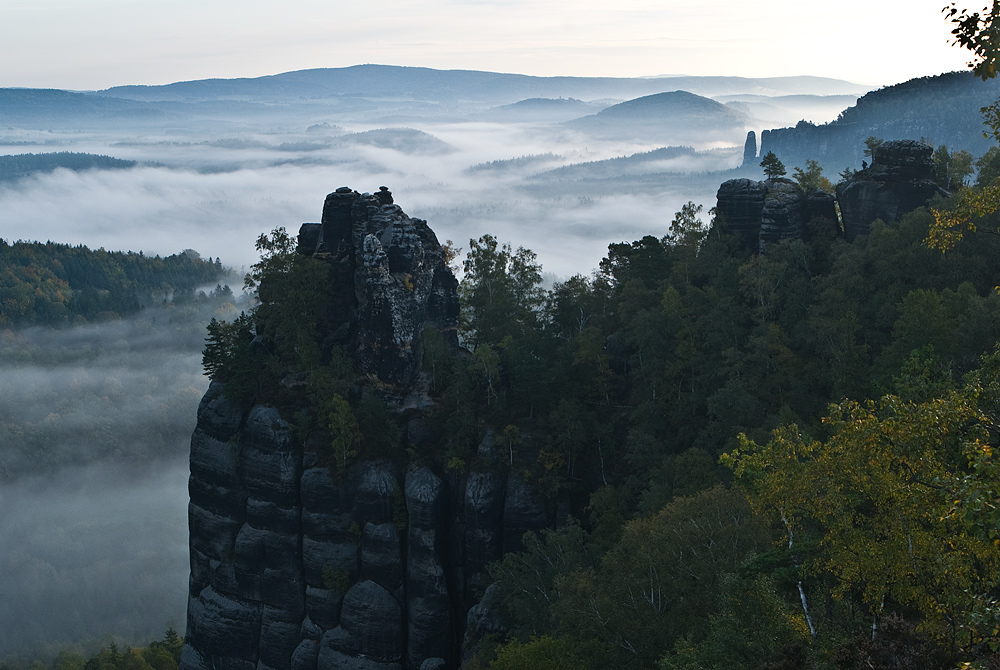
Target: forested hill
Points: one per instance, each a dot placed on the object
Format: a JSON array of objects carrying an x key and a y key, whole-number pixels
[
  {"x": 52, "y": 284},
  {"x": 943, "y": 109},
  {"x": 24, "y": 165},
  {"x": 594, "y": 415}
]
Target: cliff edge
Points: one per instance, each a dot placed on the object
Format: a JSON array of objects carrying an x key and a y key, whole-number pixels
[{"x": 301, "y": 561}]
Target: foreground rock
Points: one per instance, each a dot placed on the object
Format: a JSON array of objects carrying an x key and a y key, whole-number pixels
[
  {"x": 899, "y": 180},
  {"x": 296, "y": 566},
  {"x": 765, "y": 212}
]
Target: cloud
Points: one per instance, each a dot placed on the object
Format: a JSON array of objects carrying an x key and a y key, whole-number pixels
[
  {"x": 98, "y": 544},
  {"x": 91, "y": 551},
  {"x": 218, "y": 199}
]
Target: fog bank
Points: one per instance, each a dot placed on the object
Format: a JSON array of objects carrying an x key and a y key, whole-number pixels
[{"x": 90, "y": 551}]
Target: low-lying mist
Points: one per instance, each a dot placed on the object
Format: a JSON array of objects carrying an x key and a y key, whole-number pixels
[
  {"x": 95, "y": 421},
  {"x": 217, "y": 200},
  {"x": 90, "y": 552}
]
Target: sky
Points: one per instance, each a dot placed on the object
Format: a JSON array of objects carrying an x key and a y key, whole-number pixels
[{"x": 97, "y": 44}]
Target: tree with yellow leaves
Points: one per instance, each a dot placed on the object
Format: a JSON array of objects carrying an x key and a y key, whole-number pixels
[
  {"x": 904, "y": 499},
  {"x": 980, "y": 34}
]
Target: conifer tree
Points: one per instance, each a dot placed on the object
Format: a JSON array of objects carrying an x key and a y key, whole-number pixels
[{"x": 773, "y": 168}]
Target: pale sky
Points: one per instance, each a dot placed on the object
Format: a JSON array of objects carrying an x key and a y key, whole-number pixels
[{"x": 92, "y": 44}]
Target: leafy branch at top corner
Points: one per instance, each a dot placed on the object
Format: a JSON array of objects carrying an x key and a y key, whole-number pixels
[{"x": 979, "y": 32}]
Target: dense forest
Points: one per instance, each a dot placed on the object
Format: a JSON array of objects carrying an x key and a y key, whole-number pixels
[
  {"x": 23, "y": 165},
  {"x": 162, "y": 654},
  {"x": 57, "y": 284},
  {"x": 112, "y": 387},
  {"x": 804, "y": 434}
]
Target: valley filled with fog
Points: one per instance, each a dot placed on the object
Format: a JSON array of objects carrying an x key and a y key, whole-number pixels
[
  {"x": 212, "y": 176},
  {"x": 93, "y": 529}
]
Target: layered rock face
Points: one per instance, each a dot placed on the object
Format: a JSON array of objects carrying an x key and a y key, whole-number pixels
[
  {"x": 750, "y": 150},
  {"x": 297, "y": 567},
  {"x": 899, "y": 180},
  {"x": 763, "y": 212},
  {"x": 395, "y": 283}
]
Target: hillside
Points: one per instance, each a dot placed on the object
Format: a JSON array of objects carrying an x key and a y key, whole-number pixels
[
  {"x": 417, "y": 469},
  {"x": 541, "y": 109},
  {"x": 942, "y": 110},
  {"x": 58, "y": 284},
  {"x": 39, "y": 108},
  {"x": 24, "y": 165},
  {"x": 662, "y": 117}
]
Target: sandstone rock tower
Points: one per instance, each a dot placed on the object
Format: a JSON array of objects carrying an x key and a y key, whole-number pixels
[{"x": 295, "y": 566}]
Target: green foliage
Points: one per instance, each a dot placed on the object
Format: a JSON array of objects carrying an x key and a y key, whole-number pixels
[
  {"x": 539, "y": 653},
  {"x": 227, "y": 343},
  {"x": 872, "y": 144},
  {"x": 889, "y": 495},
  {"x": 57, "y": 284},
  {"x": 687, "y": 230},
  {"x": 24, "y": 165},
  {"x": 162, "y": 654},
  {"x": 812, "y": 177},
  {"x": 977, "y": 33},
  {"x": 294, "y": 294},
  {"x": 988, "y": 167},
  {"x": 773, "y": 168},
  {"x": 734, "y": 640},
  {"x": 661, "y": 580},
  {"x": 337, "y": 416},
  {"x": 335, "y": 579},
  {"x": 533, "y": 581},
  {"x": 951, "y": 169},
  {"x": 500, "y": 291},
  {"x": 654, "y": 366}
]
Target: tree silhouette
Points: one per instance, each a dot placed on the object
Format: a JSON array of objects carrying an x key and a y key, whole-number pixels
[{"x": 772, "y": 166}]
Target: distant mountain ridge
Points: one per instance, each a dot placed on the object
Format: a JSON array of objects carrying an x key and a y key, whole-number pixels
[
  {"x": 551, "y": 110},
  {"x": 40, "y": 106},
  {"x": 420, "y": 83}
]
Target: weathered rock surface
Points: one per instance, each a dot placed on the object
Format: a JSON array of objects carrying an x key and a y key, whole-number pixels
[
  {"x": 430, "y": 622},
  {"x": 899, "y": 180},
  {"x": 740, "y": 204},
  {"x": 765, "y": 212},
  {"x": 400, "y": 283},
  {"x": 295, "y": 566},
  {"x": 782, "y": 216},
  {"x": 750, "y": 150}
]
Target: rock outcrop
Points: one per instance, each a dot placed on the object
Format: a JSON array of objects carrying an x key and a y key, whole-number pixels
[
  {"x": 296, "y": 566},
  {"x": 750, "y": 150},
  {"x": 400, "y": 282},
  {"x": 899, "y": 180},
  {"x": 740, "y": 205},
  {"x": 764, "y": 212}
]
